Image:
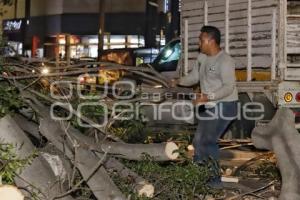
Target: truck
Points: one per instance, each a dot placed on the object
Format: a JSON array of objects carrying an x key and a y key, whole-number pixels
[{"x": 263, "y": 36}]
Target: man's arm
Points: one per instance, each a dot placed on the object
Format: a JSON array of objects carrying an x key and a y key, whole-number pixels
[
  {"x": 194, "y": 76},
  {"x": 228, "y": 79},
  {"x": 191, "y": 79}
]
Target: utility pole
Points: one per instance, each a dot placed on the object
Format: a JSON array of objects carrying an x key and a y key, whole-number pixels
[
  {"x": 16, "y": 8},
  {"x": 27, "y": 17},
  {"x": 57, "y": 56},
  {"x": 151, "y": 23},
  {"x": 101, "y": 28},
  {"x": 68, "y": 49},
  {"x": 173, "y": 21}
]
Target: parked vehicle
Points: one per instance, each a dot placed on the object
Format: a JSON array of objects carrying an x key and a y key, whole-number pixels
[{"x": 262, "y": 36}]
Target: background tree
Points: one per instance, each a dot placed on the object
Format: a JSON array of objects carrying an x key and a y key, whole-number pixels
[{"x": 4, "y": 3}]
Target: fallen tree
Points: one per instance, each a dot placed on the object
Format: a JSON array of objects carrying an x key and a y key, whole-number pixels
[
  {"x": 55, "y": 133},
  {"x": 95, "y": 159},
  {"x": 92, "y": 159},
  {"x": 281, "y": 137}
]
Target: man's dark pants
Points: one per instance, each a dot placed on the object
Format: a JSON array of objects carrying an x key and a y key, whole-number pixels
[{"x": 212, "y": 124}]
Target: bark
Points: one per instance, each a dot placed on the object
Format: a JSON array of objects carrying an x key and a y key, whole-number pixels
[
  {"x": 27, "y": 126},
  {"x": 60, "y": 164},
  {"x": 159, "y": 152},
  {"x": 37, "y": 176},
  {"x": 141, "y": 186},
  {"x": 281, "y": 137},
  {"x": 100, "y": 182}
]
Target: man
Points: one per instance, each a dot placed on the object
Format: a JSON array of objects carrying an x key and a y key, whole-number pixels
[{"x": 215, "y": 70}]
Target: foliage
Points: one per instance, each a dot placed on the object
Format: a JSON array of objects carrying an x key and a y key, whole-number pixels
[
  {"x": 2, "y": 44},
  {"x": 136, "y": 130},
  {"x": 9, "y": 96},
  {"x": 2, "y": 8},
  {"x": 183, "y": 180},
  {"x": 10, "y": 163},
  {"x": 131, "y": 131},
  {"x": 10, "y": 100},
  {"x": 6, "y": 2}
]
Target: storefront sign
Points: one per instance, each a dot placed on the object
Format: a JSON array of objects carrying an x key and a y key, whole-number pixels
[{"x": 12, "y": 25}]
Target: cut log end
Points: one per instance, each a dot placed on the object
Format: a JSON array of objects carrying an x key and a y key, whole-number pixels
[
  {"x": 170, "y": 149},
  {"x": 190, "y": 148},
  {"x": 8, "y": 192},
  {"x": 145, "y": 189}
]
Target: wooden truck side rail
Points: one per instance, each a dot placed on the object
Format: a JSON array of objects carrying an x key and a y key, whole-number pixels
[
  {"x": 261, "y": 35},
  {"x": 257, "y": 33}
]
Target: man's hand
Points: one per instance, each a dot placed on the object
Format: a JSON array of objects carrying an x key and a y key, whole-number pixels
[{"x": 200, "y": 99}]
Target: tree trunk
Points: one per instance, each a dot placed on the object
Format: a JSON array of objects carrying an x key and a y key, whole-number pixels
[
  {"x": 281, "y": 137},
  {"x": 141, "y": 186},
  {"x": 36, "y": 175},
  {"x": 100, "y": 183},
  {"x": 159, "y": 152}
]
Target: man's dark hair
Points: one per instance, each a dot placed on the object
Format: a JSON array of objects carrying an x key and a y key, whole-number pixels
[{"x": 213, "y": 32}]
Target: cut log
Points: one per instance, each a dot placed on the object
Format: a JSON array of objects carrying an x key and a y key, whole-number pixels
[
  {"x": 141, "y": 186},
  {"x": 60, "y": 164},
  {"x": 159, "y": 152},
  {"x": 8, "y": 192},
  {"x": 229, "y": 179},
  {"x": 37, "y": 176},
  {"x": 100, "y": 183},
  {"x": 281, "y": 137}
]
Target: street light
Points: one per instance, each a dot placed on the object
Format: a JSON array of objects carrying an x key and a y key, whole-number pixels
[{"x": 45, "y": 71}]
